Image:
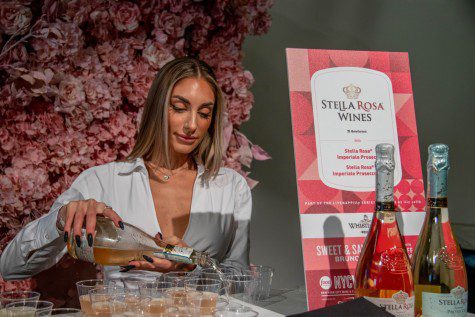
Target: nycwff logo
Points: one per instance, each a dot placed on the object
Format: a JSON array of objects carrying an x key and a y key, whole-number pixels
[{"x": 362, "y": 108}]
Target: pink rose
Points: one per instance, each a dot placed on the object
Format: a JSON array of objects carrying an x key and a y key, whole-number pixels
[
  {"x": 14, "y": 18},
  {"x": 98, "y": 96},
  {"x": 6, "y": 140},
  {"x": 125, "y": 16},
  {"x": 242, "y": 82},
  {"x": 70, "y": 95},
  {"x": 59, "y": 38},
  {"x": 156, "y": 55},
  {"x": 137, "y": 87},
  {"x": 103, "y": 28},
  {"x": 169, "y": 24}
]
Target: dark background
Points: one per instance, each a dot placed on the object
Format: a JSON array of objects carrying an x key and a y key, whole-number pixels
[{"x": 440, "y": 38}]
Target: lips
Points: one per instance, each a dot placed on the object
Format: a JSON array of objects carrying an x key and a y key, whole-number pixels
[{"x": 186, "y": 139}]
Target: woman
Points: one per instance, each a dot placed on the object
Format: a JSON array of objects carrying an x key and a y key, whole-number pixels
[{"x": 171, "y": 185}]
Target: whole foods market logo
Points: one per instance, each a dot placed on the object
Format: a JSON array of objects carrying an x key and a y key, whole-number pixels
[
  {"x": 325, "y": 282},
  {"x": 364, "y": 224}
]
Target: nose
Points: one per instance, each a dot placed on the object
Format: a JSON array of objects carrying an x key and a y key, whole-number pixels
[{"x": 190, "y": 123}]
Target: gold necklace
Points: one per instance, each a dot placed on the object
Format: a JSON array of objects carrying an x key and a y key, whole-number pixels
[{"x": 166, "y": 177}]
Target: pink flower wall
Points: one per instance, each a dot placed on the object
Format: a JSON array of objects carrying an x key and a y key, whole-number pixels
[{"x": 74, "y": 76}]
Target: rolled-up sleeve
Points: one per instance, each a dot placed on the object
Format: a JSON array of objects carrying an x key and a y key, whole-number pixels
[
  {"x": 238, "y": 252},
  {"x": 39, "y": 245}
]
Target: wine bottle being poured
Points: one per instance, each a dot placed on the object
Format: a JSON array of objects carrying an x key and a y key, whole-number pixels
[{"x": 114, "y": 246}]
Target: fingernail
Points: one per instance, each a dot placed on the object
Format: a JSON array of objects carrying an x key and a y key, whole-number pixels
[
  {"x": 161, "y": 236},
  {"x": 126, "y": 268},
  {"x": 148, "y": 259},
  {"x": 78, "y": 241},
  {"x": 66, "y": 236},
  {"x": 121, "y": 225},
  {"x": 89, "y": 239}
]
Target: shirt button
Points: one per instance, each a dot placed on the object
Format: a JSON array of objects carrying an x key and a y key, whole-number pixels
[{"x": 46, "y": 236}]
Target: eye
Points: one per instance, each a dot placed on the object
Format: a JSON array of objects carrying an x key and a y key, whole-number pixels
[
  {"x": 204, "y": 115},
  {"x": 178, "y": 109}
]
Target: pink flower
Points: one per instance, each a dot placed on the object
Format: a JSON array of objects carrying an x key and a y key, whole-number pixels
[
  {"x": 168, "y": 25},
  {"x": 103, "y": 26},
  {"x": 140, "y": 80},
  {"x": 17, "y": 55},
  {"x": 70, "y": 95},
  {"x": 259, "y": 153},
  {"x": 125, "y": 16},
  {"x": 58, "y": 39},
  {"x": 239, "y": 109},
  {"x": 156, "y": 55},
  {"x": 14, "y": 18},
  {"x": 99, "y": 98},
  {"x": 242, "y": 82},
  {"x": 6, "y": 140}
]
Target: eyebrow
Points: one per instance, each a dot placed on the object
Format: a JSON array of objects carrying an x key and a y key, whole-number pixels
[{"x": 186, "y": 101}]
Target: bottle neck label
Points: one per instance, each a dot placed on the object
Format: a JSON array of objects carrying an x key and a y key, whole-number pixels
[
  {"x": 385, "y": 186},
  {"x": 437, "y": 183},
  {"x": 384, "y": 206},
  {"x": 176, "y": 253},
  {"x": 437, "y": 202},
  {"x": 387, "y": 217}
]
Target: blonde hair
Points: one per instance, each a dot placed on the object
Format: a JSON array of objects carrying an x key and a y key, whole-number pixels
[{"x": 152, "y": 137}]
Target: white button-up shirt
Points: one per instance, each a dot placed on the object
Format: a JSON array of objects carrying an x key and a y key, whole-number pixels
[{"x": 219, "y": 219}]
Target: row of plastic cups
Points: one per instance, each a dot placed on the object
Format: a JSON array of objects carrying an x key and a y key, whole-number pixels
[
  {"x": 260, "y": 275},
  {"x": 111, "y": 300},
  {"x": 28, "y": 303},
  {"x": 201, "y": 295}
]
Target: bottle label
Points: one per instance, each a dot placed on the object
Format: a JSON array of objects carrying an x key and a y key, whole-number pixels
[
  {"x": 176, "y": 254},
  {"x": 451, "y": 304},
  {"x": 399, "y": 305}
]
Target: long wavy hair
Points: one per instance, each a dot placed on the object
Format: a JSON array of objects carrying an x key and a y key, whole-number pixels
[{"x": 152, "y": 137}]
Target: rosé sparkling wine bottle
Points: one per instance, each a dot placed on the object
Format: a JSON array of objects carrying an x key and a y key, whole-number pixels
[
  {"x": 440, "y": 277},
  {"x": 383, "y": 274}
]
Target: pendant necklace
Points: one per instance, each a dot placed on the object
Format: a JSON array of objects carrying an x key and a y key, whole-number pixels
[{"x": 166, "y": 177}]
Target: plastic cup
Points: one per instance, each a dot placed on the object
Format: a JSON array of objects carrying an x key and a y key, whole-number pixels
[
  {"x": 34, "y": 308},
  {"x": 83, "y": 288}
]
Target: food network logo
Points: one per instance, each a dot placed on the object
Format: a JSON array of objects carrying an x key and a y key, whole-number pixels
[{"x": 325, "y": 282}]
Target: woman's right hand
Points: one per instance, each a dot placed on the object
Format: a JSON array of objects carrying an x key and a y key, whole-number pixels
[{"x": 83, "y": 213}]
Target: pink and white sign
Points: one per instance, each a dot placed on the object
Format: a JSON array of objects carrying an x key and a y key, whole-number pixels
[{"x": 343, "y": 104}]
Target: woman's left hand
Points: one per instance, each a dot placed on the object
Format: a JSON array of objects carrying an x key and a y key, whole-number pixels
[{"x": 162, "y": 265}]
